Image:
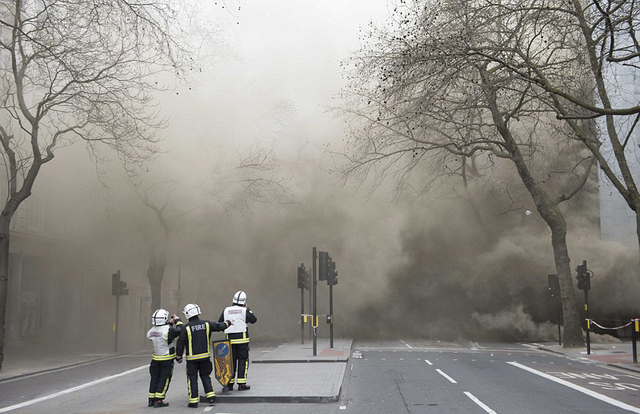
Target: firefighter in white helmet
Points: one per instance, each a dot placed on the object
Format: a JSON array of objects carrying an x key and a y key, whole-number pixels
[
  {"x": 162, "y": 334},
  {"x": 238, "y": 335},
  {"x": 195, "y": 341}
]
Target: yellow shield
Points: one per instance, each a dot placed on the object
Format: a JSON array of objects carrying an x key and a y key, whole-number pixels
[{"x": 223, "y": 361}]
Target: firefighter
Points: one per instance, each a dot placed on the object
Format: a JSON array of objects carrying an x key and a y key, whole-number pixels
[
  {"x": 162, "y": 334},
  {"x": 238, "y": 335},
  {"x": 195, "y": 341}
]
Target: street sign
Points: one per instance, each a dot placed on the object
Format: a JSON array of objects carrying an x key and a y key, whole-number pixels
[{"x": 223, "y": 361}]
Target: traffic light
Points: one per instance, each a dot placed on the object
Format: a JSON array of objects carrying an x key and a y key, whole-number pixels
[
  {"x": 323, "y": 265},
  {"x": 332, "y": 273},
  {"x": 584, "y": 280},
  {"x": 118, "y": 287},
  {"x": 304, "y": 279}
]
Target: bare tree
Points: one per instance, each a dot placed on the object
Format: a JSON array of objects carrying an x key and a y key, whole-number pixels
[
  {"x": 585, "y": 54},
  {"x": 254, "y": 178},
  {"x": 79, "y": 70},
  {"x": 424, "y": 97}
]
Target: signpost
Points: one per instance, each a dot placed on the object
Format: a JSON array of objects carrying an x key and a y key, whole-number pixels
[{"x": 223, "y": 362}]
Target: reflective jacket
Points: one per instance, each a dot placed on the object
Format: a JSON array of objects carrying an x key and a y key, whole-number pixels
[
  {"x": 238, "y": 333},
  {"x": 162, "y": 337},
  {"x": 195, "y": 338}
]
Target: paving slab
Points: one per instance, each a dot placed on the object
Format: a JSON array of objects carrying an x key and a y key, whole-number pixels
[
  {"x": 297, "y": 382},
  {"x": 616, "y": 354},
  {"x": 296, "y": 352}
]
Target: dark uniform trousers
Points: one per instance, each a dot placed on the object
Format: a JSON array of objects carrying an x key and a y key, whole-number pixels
[
  {"x": 204, "y": 368},
  {"x": 240, "y": 363},
  {"x": 161, "y": 373}
]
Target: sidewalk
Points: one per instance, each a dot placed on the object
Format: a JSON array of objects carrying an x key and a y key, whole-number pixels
[
  {"x": 615, "y": 354},
  {"x": 288, "y": 373}
]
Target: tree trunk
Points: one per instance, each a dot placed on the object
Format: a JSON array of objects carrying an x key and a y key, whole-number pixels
[
  {"x": 155, "y": 275},
  {"x": 4, "y": 279},
  {"x": 572, "y": 335}
]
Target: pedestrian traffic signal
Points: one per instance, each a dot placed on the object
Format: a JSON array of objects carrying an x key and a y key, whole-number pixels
[
  {"x": 323, "y": 265},
  {"x": 118, "y": 287},
  {"x": 583, "y": 276}
]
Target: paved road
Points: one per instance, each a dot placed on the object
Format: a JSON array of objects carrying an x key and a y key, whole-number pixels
[
  {"x": 401, "y": 376},
  {"x": 421, "y": 377}
]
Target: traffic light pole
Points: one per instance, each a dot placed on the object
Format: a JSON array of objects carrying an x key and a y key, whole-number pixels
[
  {"x": 586, "y": 313},
  {"x": 331, "y": 316},
  {"x": 302, "y": 315},
  {"x": 115, "y": 325},
  {"x": 315, "y": 309}
]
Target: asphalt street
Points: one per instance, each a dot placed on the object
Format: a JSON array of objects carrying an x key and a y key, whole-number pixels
[{"x": 399, "y": 376}]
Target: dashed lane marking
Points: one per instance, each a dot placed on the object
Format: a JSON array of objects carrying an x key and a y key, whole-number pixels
[
  {"x": 480, "y": 403},
  {"x": 446, "y": 376},
  {"x": 428, "y": 362},
  {"x": 583, "y": 390}
]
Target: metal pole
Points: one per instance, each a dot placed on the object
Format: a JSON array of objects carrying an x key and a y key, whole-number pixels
[
  {"x": 559, "y": 320},
  {"x": 315, "y": 309},
  {"x": 302, "y": 315},
  {"x": 310, "y": 304},
  {"x": 634, "y": 338},
  {"x": 331, "y": 316},
  {"x": 116, "y": 323},
  {"x": 586, "y": 310}
]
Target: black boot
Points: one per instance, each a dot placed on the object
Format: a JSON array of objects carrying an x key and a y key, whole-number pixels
[
  {"x": 243, "y": 387},
  {"x": 211, "y": 400},
  {"x": 192, "y": 405},
  {"x": 230, "y": 386},
  {"x": 152, "y": 401},
  {"x": 160, "y": 403}
]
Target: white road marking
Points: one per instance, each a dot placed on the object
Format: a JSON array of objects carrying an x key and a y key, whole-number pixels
[
  {"x": 70, "y": 390},
  {"x": 343, "y": 407},
  {"x": 428, "y": 362},
  {"x": 480, "y": 403},
  {"x": 408, "y": 346},
  {"x": 583, "y": 390},
  {"x": 209, "y": 408},
  {"x": 446, "y": 376}
]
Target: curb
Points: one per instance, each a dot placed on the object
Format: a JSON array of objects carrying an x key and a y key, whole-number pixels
[
  {"x": 276, "y": 399},
  {"x": 634, "y": 368},
  {"x": 292, "y": 361}
]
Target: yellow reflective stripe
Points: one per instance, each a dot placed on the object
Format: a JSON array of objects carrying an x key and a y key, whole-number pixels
[
  {"x": 243, "y": 340},
  {"x": 198, "y": 356},
  {"x": 208, "y": 344},
  {"x": 190, "y": 344},
  {"x": 210, "y": 394},
  {"x": 195, "y": 399},
  {"x": 163, "y": 357}
]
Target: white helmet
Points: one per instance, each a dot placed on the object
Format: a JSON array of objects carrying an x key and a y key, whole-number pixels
[
  {"x": 160, "y": 317},
  {"x": 191, "y": 310},
  {"x": 240, "y": 298}
]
